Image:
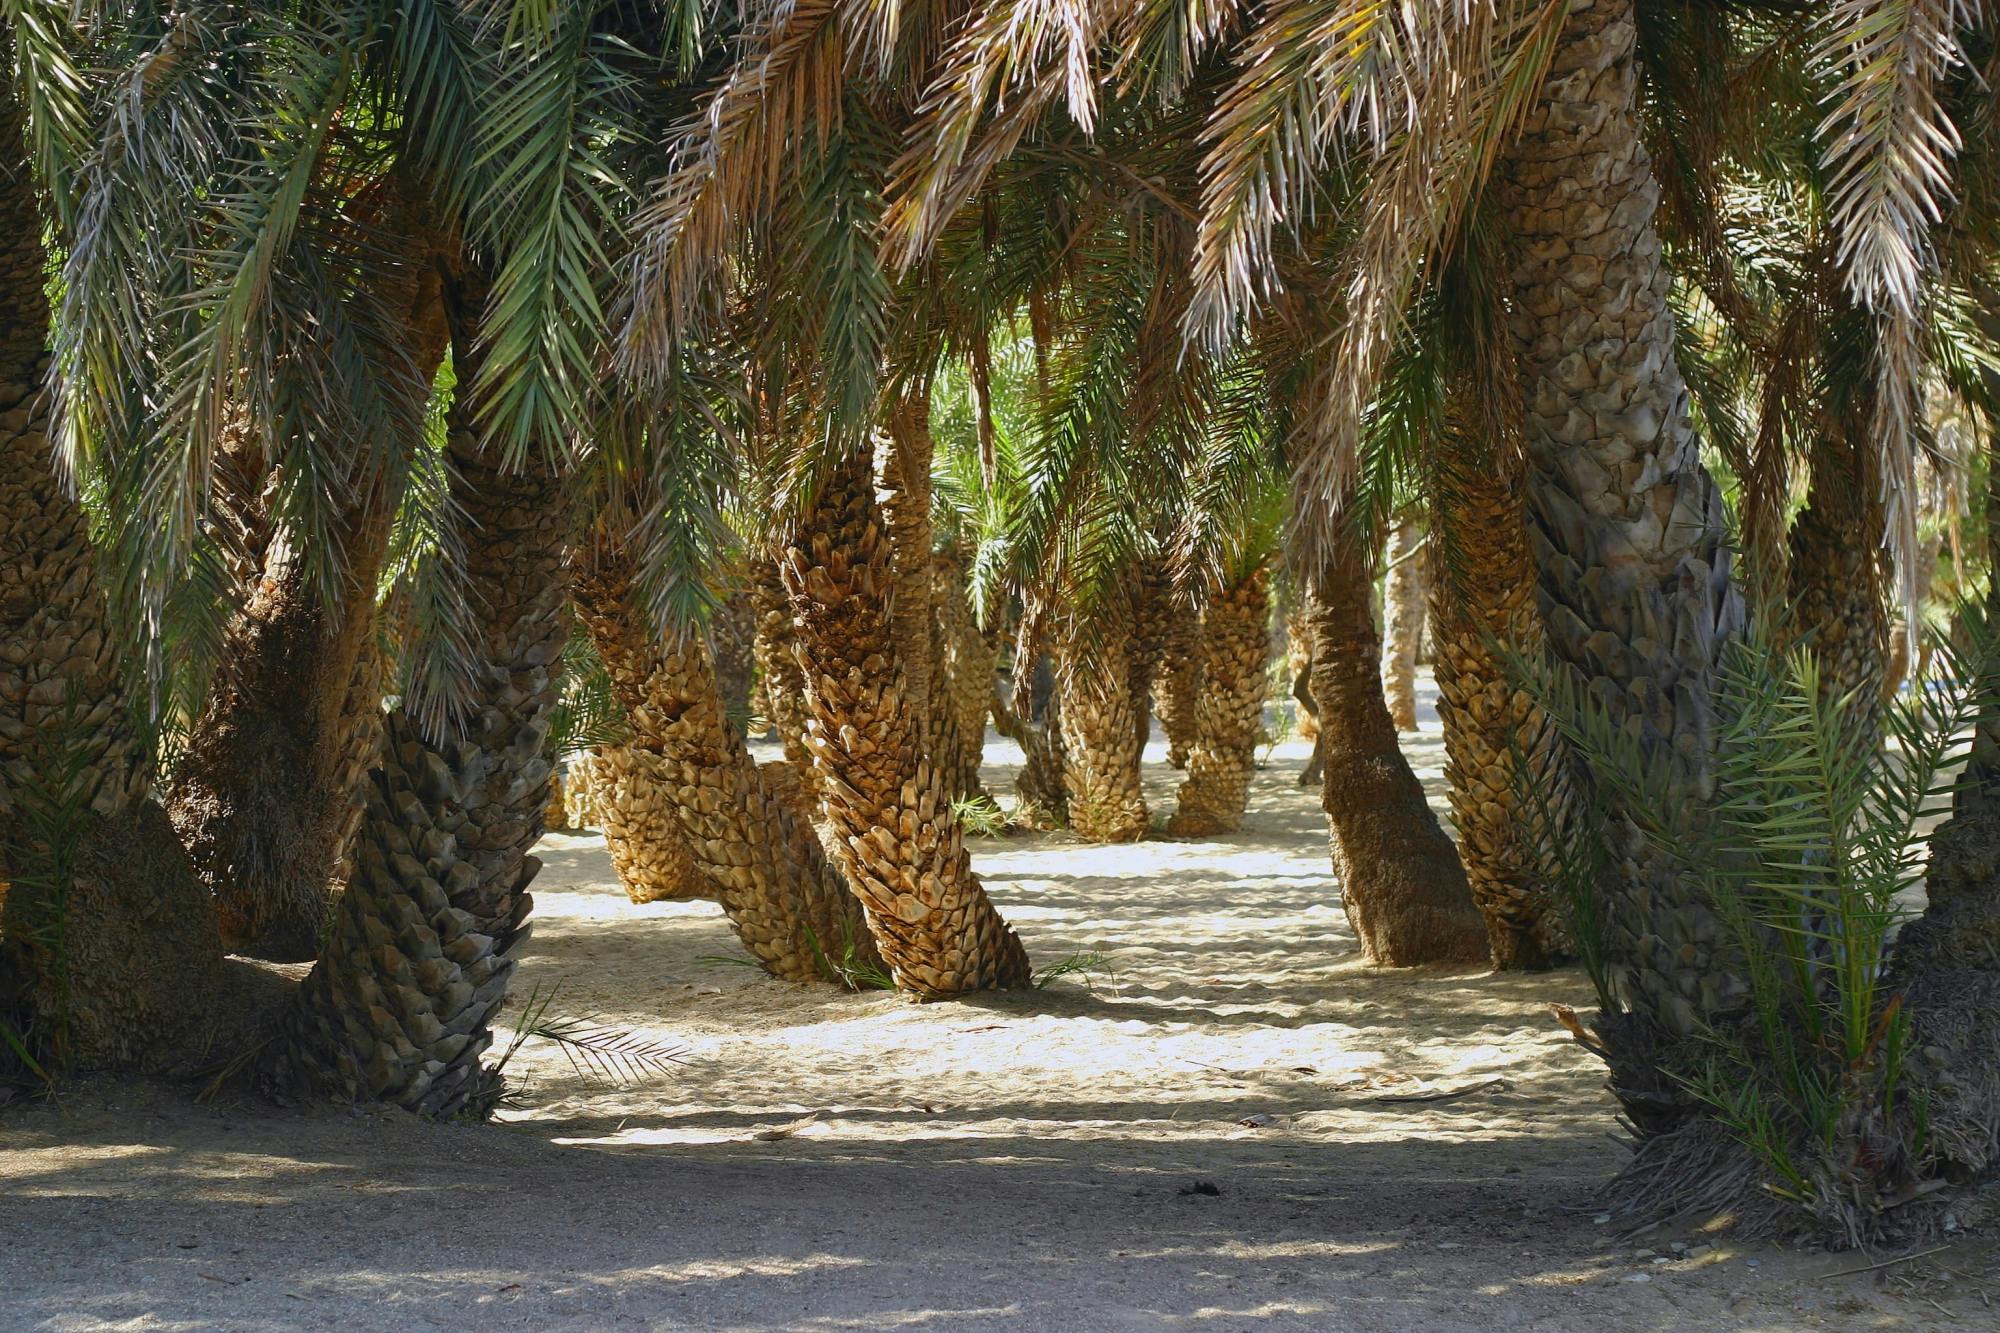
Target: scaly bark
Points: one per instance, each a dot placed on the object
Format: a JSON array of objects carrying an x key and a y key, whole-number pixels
[
  {"x": 1839, "y": 583},
  {"x": 1404, "y": 589},
  {"x": 1498, "y": 742},
  {"x": 108, "y": 943},
  {"x": 635, "y": 808},
  {"x": 1625, "y": 523},
  {"x": 399, "y": 1006},
  {"x": 1152, "y": 626},
  {"x": 1229, "y": 713},
  {"x": 266, "y": 797},
  {"x": 778, "y": 665},
  {"x": 1298, "y": 663},
  {"x": 964, "y": 680},
  {"x": 733, "y": 632},
  {"x": 1177, "y": 679},
  {"x": 789, "y": 906},
  {"x": 1400, "y": 878},
  {"x": 1101, "y": 752},
  {"x": 906, "y": 484},
  {"x": 887, "y": 805}
]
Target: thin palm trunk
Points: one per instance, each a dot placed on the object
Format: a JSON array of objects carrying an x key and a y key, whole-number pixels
[
  {"x": 1499, "y": 745},
  {"x": 1101, "y": 749},
  {"x": 1152, "y": 625},
  {"x": 902, "y": 847},
  {"x": 734, "y": 634},
  {"x": 1839, "y": 584},
  {"x": 421, "y": 948},
  {"x": 1229, "y": 714},
  {"x": 107, "y": 941},
  {"x": 1400, "y": 878},
  {"x": 776, "y": 651},
  {"x": 1626, "y": 525},
  {"x": 963, "y": 685},
  {"x": 1404, "y": 590},
  {"x": 906, "y": 483},
  {"x": 788, "y": 904},
  {"x": 1177, "y": 680},
  {"x": 1298, "y": 663},
  {"x": 1042, "y": 795}
]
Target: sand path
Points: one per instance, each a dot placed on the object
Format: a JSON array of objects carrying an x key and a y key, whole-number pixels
[{"x": 1229, "y": 1124}]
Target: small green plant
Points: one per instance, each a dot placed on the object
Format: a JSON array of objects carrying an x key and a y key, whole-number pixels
[
  {"x": 980, "y": 815},
  {"x": 1077, "y": 964},
  {"x": 847, "y": 967},
  {"x": 1811, "y": 838}
]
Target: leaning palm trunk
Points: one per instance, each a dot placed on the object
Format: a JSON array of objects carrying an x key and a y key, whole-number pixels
[
  {"x": 1298, "y": 665},
  {"x": 418, "y": 957},
  {"x": 1400, "y": 878},
  {"x": 1626, "y": 525},
  {"x": 1177, "y": 678},
  {"x": 776, "y": 651},
  {"x": 887, "y": 806},
  {"x": 1500, "y": 747},
  {"x": 1404, "y": 588},
  {"x": 1101, "y": 744},
  {"x": 789, "y": 906},
  {"x": 107, "y": 940},
  {"x": 1229, "y": 715}
]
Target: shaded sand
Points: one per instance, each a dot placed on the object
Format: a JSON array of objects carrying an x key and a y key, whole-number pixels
[{"x": 1229, "y": 1124}]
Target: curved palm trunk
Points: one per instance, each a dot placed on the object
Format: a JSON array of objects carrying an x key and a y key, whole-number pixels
[
  {"x": 1229, "y": 715},
  {"x": 1298, "y": 662},
  {"x": 1499, "y": 744},
  {"x": 107, "y": 940},
  {"x": 1400, "y": 878},
  {"x": 266, "y": 798},
  {"x": 890, "y": 814},
  {"x": 417, "y": 961},
  {"x": 776, "y": 651},
  {"x": 789, "y": 906},
  {"x": 635, "y": 808},
  {"x": 964, "y": 682},
  {"x": 1625, "y": 523},
  {"x": 1177, "y": 680},
  {"x": 1404, "y": 589},
  {"x": 1101, "y": 749}
]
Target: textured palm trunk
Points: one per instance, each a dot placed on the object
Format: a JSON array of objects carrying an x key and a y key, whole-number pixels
[
  {"x": 635, "y": 808},
  {"x": 1499, "y": 744},
  {"x": 906, "y": 484},
  {"x": 789, "y": 905},
  {"x": 107, "y": 941},
  {"x": 417, "y": 960},
  {"x": 1947, "y": 963},
  {"x": 1626, "y": 525},
  {"x": 1298, "y": 665},
  {"x": 733, "y": 632},
  {"x": 1177, "y": 679},
  {"x": 886, "y": 804},
  {"x": 1042, "y": 798},
  {"x": 1400, "y": 878},
  {"x": 963, "y": 684},
  {"x": 1405, "y": 588},
  {"x": 267, "y": 797},
  {"x": 776, "y": 651},
  {"x": 1100, "y": 731},
  {"x": 1839, "y": 586},
  {"x": 1229, "y": 715},
  {"x": 1152, "y": 625}
]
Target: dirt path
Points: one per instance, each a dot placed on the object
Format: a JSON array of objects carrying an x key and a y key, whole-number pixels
[{"x": 1230, "y": 1124}]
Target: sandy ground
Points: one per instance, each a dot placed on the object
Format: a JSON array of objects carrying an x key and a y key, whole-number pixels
[{"x": 1229, "y": 1123}]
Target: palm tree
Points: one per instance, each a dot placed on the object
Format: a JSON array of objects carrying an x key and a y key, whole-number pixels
[
  {"x": 1403, "y": 602},
  {"x": 1101, "y": 740},
  {"x": 1177, "y": 685},
  {"x": 1229, "y": 710},
  {"x": 893, "y": 828},
  {"x": 790, "y": 907}
]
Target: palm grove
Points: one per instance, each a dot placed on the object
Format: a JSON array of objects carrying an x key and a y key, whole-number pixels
[{"x": 395, "y": 392}]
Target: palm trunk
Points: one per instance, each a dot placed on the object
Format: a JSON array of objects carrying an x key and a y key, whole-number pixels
[
  {"x": 635, "y": 807},
  {"x": 1947, "y": 963},
  {"x": 964, "y": 682},
  {"x": 789, "y": 906},
  {"x": 1177, "y": 681},
  {"x": 1400, "y": 878},
  {"x": 1229, "y": 715},
  {"x": 1042, "y": 798},
  {"x": 887, "y": 805},
  {"x": 776, "y": 652},
  {"x": 1101, "y": 751},
  {"x": 734, "y": 634},
  {"x": 1625, "y": 523},
  {"x": 418, "y": 957},
  {"x": 906, "y": 482},
  {"x": 1499, "y": 744},
  {"x": 1298, "y": 663},
  {"x": 107, "y": 941},
  {"x": 266, "y": 798},
  {"x": 1152, "y": 625},
  {"x": 1405, "y": 588},
  {"x": 1839, "y": 585}
]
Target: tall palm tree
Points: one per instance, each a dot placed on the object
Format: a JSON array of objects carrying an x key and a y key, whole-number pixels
[{"x": 1229, "y": 710}]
